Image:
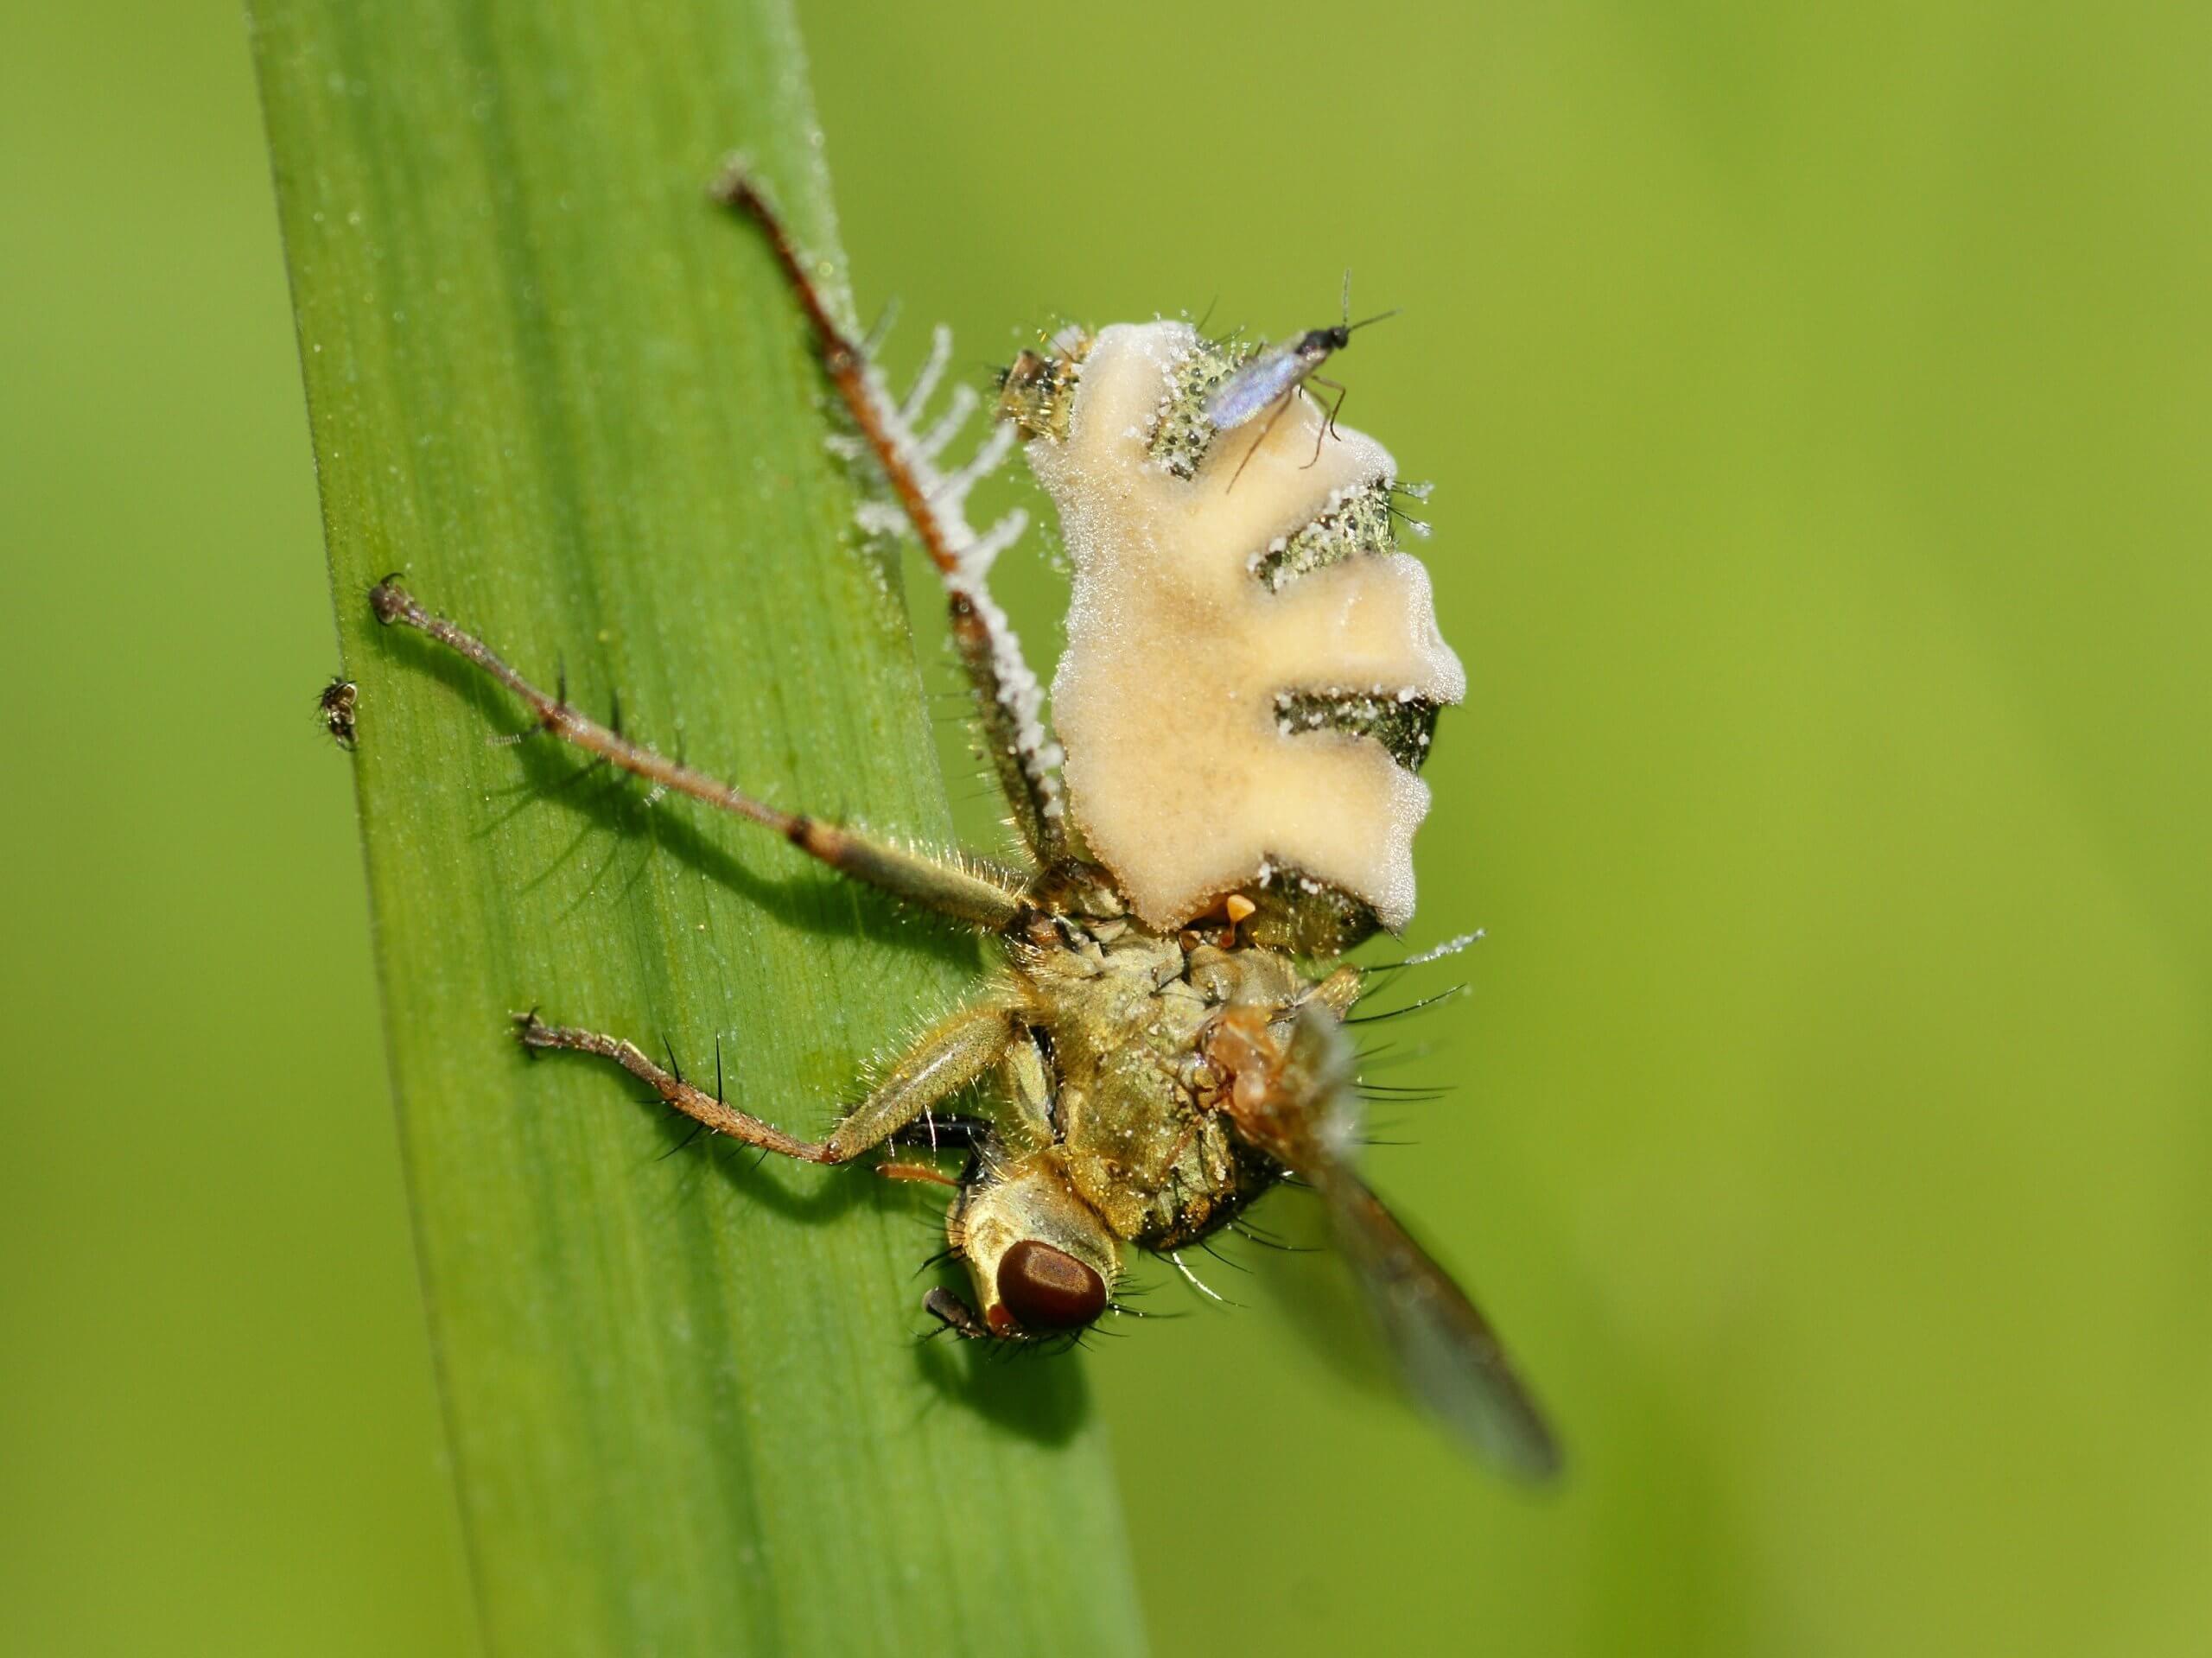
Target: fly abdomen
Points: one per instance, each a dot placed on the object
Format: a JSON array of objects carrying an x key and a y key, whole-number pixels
[{"x": 1218, "y": 638}]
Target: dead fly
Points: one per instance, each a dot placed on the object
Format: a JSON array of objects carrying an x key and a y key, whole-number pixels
[
  {"x": 1269, "y": 378},
  {"x": 336, "y": 706},
  {"x": 1233, "y": 808}
]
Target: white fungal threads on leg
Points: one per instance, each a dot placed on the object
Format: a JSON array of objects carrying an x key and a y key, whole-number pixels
[
  {"x": 1179, "y": 773},
  {"x": 973, "y": 551}
]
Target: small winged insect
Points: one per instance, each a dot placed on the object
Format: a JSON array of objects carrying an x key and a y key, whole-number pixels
[
  {"x": 336, "y": 704},
  {"x": 1269, "y": 379},
  {"x": 1227, "y": 805}
]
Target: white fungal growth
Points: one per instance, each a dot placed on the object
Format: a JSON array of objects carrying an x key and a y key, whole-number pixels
[
  {"x": 880, "y": 519},
  {"x": 925, "y": 382},
  {"x": 972, "y": 551},
  {"x": 1449, "y": 947},
  {"x": 1182, "y": 779},
  {"x": 957, "y": 407}
]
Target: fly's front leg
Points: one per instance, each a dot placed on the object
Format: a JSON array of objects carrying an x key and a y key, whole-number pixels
[
  {"x": 1008, "y": 701},
  {"x": 1282, "y": 404},
  {"x": 963, "y": 893},
  {"x": 952, "y": 1054},
  {"x": 1329, "y": 421},
  {"x": 1027, "y": 1081}
]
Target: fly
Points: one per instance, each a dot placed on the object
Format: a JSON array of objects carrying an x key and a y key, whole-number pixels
[
  {"x": 334, "y": 705},
  {"x": 1268, "y": 380},
  {"x": 1161, "y": 1038}
]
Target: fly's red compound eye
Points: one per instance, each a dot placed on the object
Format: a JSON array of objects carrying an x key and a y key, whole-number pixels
[{"x": 1047, "y": 1288}]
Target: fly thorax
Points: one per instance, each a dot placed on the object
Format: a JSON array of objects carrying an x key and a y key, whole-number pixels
[{"x": 1253, "y": 669}]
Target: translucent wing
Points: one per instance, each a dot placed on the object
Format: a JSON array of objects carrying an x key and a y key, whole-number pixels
[
  {"x": 1447, "y": 1355},
  {"x": 1252, "y": 388}
]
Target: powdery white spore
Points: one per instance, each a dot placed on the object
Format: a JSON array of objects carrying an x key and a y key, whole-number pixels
[{"x": 1437, "y": 952}]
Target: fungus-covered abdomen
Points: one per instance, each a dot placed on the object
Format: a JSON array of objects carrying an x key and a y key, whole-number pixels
[{"x": 1252, "y": 671}]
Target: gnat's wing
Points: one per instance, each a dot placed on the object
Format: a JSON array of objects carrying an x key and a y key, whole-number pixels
[
  {"x": 1253, "y": 387},
  {"x": 1447, "y": 1356}
]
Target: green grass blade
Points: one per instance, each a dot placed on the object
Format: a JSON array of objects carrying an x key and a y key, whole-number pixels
[{"x": 573, "y": 405}]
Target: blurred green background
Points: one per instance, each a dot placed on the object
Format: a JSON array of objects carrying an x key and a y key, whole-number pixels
[{"x": 1817, "y": 399}]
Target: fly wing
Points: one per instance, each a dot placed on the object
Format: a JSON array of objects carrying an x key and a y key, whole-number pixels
[{"x": 1447, "y": 1355}]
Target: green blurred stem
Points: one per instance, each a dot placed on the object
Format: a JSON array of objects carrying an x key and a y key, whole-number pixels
[{"x": 571, "y": 403}]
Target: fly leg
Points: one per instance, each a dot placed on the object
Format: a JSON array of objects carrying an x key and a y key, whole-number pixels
[
  {"x": 952, "y": 1054},
  {"x": 1329, "y": 421},
  {"x": 966, "y": 894},
  {"x": 1008, "y": 699},
  {"x": 1282, "y": 403}
]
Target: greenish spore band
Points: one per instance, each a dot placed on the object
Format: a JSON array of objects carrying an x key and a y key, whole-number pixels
[
  {"x": 1403, "y": 725},
  {"x": 1182, "y": 434},
  {"x": 1355, "y": 521}
]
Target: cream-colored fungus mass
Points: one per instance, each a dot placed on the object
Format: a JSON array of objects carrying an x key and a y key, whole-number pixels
[{"x": 1206, "y": 628}]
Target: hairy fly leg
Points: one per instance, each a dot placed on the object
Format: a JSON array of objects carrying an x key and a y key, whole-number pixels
[
  {"x": 948, "y": 1056},
  {"x": 1009, "y": 700},
  {"x": 964, "y": 893}
]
